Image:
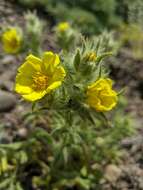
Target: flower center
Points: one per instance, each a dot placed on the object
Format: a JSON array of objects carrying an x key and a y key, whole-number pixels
[
  {"x": 40, "y": 82},
  {"x": 13, "y": 43}
]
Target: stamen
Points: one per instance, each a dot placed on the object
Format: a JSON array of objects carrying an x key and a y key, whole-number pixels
[{"x": 40, "y": 81}]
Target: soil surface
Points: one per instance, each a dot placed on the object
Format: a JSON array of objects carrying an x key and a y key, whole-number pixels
[{"x": 127, "y": 72}]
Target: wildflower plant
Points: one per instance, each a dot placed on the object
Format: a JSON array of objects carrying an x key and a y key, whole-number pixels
[
  {"x": 15, "y": 39},
  {"x": 72, "y": 94},
  {"x": 66, "y": 35},
  {"x": 34, "y": 30}
]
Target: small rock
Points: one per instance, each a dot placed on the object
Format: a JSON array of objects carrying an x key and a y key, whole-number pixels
[
  {"x": 8, "y": 59},
  {"x": 6, "y": 85},
  {"x": 7, "y": 75},
  {"x": 1, "y": 68},
  {"x": 7, "y": 101},
  {"x": 22, "y": 132},
  {"x": 112, "y": 173}
]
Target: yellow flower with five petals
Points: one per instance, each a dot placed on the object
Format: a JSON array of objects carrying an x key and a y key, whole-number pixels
[
  {"x": 101, "y": 96},
  {"x": 11, "y": 40},
  {"x": 38, "y": 77}
]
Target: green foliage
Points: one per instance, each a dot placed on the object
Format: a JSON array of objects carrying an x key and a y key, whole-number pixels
[
  {"x": 93, "y": 16},
  {"x": 34, "y": 31},
  {"x": 132, "y": 36},
  {"x": 67, "y": 39},
  {"x": 76, "y": 143},
  {"x": 135, "y": 13},
  {"x": 71, "y": 155},
  {"x": 86, "y": 21}
]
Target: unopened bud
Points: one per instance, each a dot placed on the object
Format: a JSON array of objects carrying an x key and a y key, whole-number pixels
[{"x": 90, "y": 56}]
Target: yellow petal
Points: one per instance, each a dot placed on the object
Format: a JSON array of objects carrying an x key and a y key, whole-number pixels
[
  {"x": 97, "y": 84},
  {"x": 58, "y": 74},
  {"x": 22, "y": 89},
  {"x": 50, "y": 61},
  {"x": 28, "y": 69},
  {"x": 53, "y": 86},
  {"x": 34, "y": 61},
  {"x": 34, "y": 96},
  {"x": 23, "y": 84},
  {"x": 93, "y": 101},
  {"x": 109, "y": 101},
  {"x": 110, "y": 82}
]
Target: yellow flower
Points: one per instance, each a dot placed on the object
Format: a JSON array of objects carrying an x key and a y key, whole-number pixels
[
  {"x": 100, "y": 95},
  {"x": 38, "y": 77},
  {"x": 63, "y": 26},
  {"x": 90, "y": 56},
  {"x": 11, "y": 40}
]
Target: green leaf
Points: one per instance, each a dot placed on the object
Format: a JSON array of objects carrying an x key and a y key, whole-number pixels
[
  {"x": 77, "y": 60},
  {"x": 33, "y": 106},
  {"x": 83, "y": 183},
  {"x": 99, "y": 58},
  {"x": 43, "y": 135},
  {"x": 18, "y": 186},
  {"x": 23, "y": 157},
  {"x": 122, "y": 91},
  {"x": 4, "y": 164},
  {"x": 65, "y": 154},
  {"x": 14, "y": 146},
  {"x": 17, "y": 145},
  {"x": 4, "y": 184},
  {"x": 84, "y": 171},
  {"x": 98, "y": 45}
]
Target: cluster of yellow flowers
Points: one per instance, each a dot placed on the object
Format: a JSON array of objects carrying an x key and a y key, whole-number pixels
[
  {"x": 38, "y": 77},
  {"x": 11, "y": 40}
]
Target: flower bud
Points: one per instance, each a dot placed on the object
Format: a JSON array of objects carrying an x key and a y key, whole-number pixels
[{"x": 90, "y": 56}]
